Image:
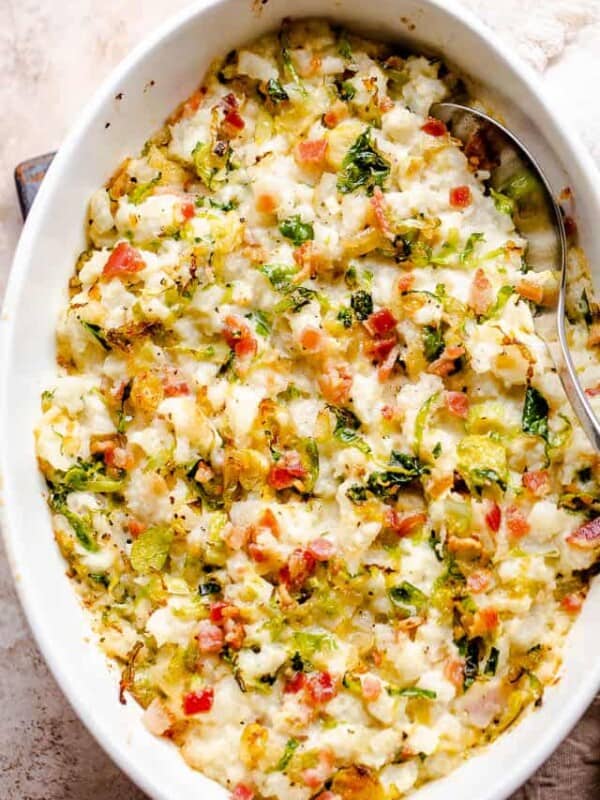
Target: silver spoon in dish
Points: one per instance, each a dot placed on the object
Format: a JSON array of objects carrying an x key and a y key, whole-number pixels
[{"x": 539, "y": 219}]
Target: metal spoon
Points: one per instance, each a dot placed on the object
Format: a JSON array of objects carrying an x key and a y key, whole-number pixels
[{"x": 539, "y": 219}]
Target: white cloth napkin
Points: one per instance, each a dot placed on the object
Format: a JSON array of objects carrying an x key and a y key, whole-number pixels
[{"x": 561, "y": 39}]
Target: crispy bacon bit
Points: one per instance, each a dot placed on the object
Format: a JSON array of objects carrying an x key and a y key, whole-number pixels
[
  {"x": 242, "y": 792},
  {"x": 460, "y": 197},
  {"x": 320, "y": 688},
  {"x": 530, "y": 291},
  {"x": 188, "y": 210},
  {"x": 210, "y": 637},
  {"x": 337, "y": 113},
  {"x": 239, "y": 337},
  {"x": 124, "y": 261},
  {"x": 516, "y": 523},
  {"x": 454, "y": 671},
  {"x": 312, "y": 261},
  {"x": 537, "y": 482},
  {"x": 380, "y": 349},
  {"x": 266, "y": 204},
  {"x": 404, "y": 524},
  {"x": 157, "y": 718},
  {"x": 311, "y": 152},
  {"x": 175, "y": 388},
  {"x": 221, "y": 611},
  {"x": 446, "y": 364},
  {"x": 285, "y": 472},
  {"x": 381, "y": 323},
  {"x": 493, "y": 518},
  {"x": 479, "y": 581},
  {"x": 457, "y": 403},
  {"x": 135, "y": 527},
  {"x": 593, "y": 392},
  {"x": 479, "y": 151},
  {"x": 321, "y": 549},
  {"x": 336, "y": 383},
  {"x": 386, "y": 369},
  {"x": 570, "y": 227},
  {"x": 572, "y": 603},
  {"x": 192, "y": 104},
  {"x": 198, "y": 702},
  {"x": 389, "y": 412},
  {"x": 295, "y": 684},
  {"x": 484, "y": 621},
  {"x": 300, "y": 566},
  {"x": 586, "y": 537},
  {"x": 371, "y": 688},
  {"x": 405, "y": 282},
  {"x": 434, "y": 127},
  {"x": 232, "y": 121},
  {"x": 311, "y": 339},
  {"x": 480, "y": 295},
  {"x": 378, "y": 206}
]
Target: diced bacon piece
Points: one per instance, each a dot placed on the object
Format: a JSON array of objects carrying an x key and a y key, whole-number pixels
[
  {"x": 235, "y": 633},
  {"x": 446, "y": 364},
  {"x": 198, "y": 702},
  {"x": 157, "y": 718},
  {"x": 335, "y": 115},
  {"x": 336, "y": 383},
  {"x": 123, "y": 262},
  {"x": 175, "y": 388},
  {"x": 586, "y": 537},
  {"x": 454, "y": 672},
  {"x": 404, "y": 524},
  {"x": 221, "y": 611},
  {"x": 530, "y": 291},
  {"x": 312, "y": 261},
  {"x": 537, "y": 482},
  {"x": 312, "y": 339},
  {"x": 460, "y": 197},
  {"x": 321, "y": 549},
  {"x": 434, "y": 127},
  {"x": 295, "y": 684},
  {"x": 234, "y": 120},
  {"x": 593, "y": 392},
  {"x": 266, "y": 204},
  {"x": 572, "y": 603},
  {"x": 311, "y": 152},
  {"x": 371, "y": 688},
  {"x": 484, "y": 621},
  {"x": 239, "y": 337},
  {"x": 405, "y": 282},
  {"x": 135, "y": 527},
  {"x": 285, "y": 472},
  {"x": 493, "y": 518},
  {"x": 516, "y": 523},
  {"x": 385, "y": 370},
  {"x": 381, "y": 323},
  {"x": 479, "y": 581},
  {"x": 210, "y": 637},
  {"x": 188, "y": 210},
  {"x": 300, "y": 566},
  {"x": 389, "y": 412},
  {"x": 320, "y": 688},
  {"x": 242, "y": 792},
  {"x": 457, "y": 403},
  {"x": 380, "y": 349},
  {"x": 378, "y": 206},
  {"x": 480, "y": 295}
]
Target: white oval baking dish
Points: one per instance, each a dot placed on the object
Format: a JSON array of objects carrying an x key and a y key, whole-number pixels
[{"x": 130, "y": 105}]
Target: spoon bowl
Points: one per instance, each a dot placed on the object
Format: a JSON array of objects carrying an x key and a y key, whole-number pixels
[{"x": 517, "y": 181}]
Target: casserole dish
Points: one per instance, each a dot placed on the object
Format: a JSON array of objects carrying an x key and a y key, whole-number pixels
[{"x": 130, "y": 106}]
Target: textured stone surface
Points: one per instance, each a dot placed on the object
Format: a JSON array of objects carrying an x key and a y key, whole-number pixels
[{"x": 45, "y": 752}]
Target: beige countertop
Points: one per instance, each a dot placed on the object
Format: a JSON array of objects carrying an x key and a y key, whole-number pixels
[{"x": 45, "y": 752}]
